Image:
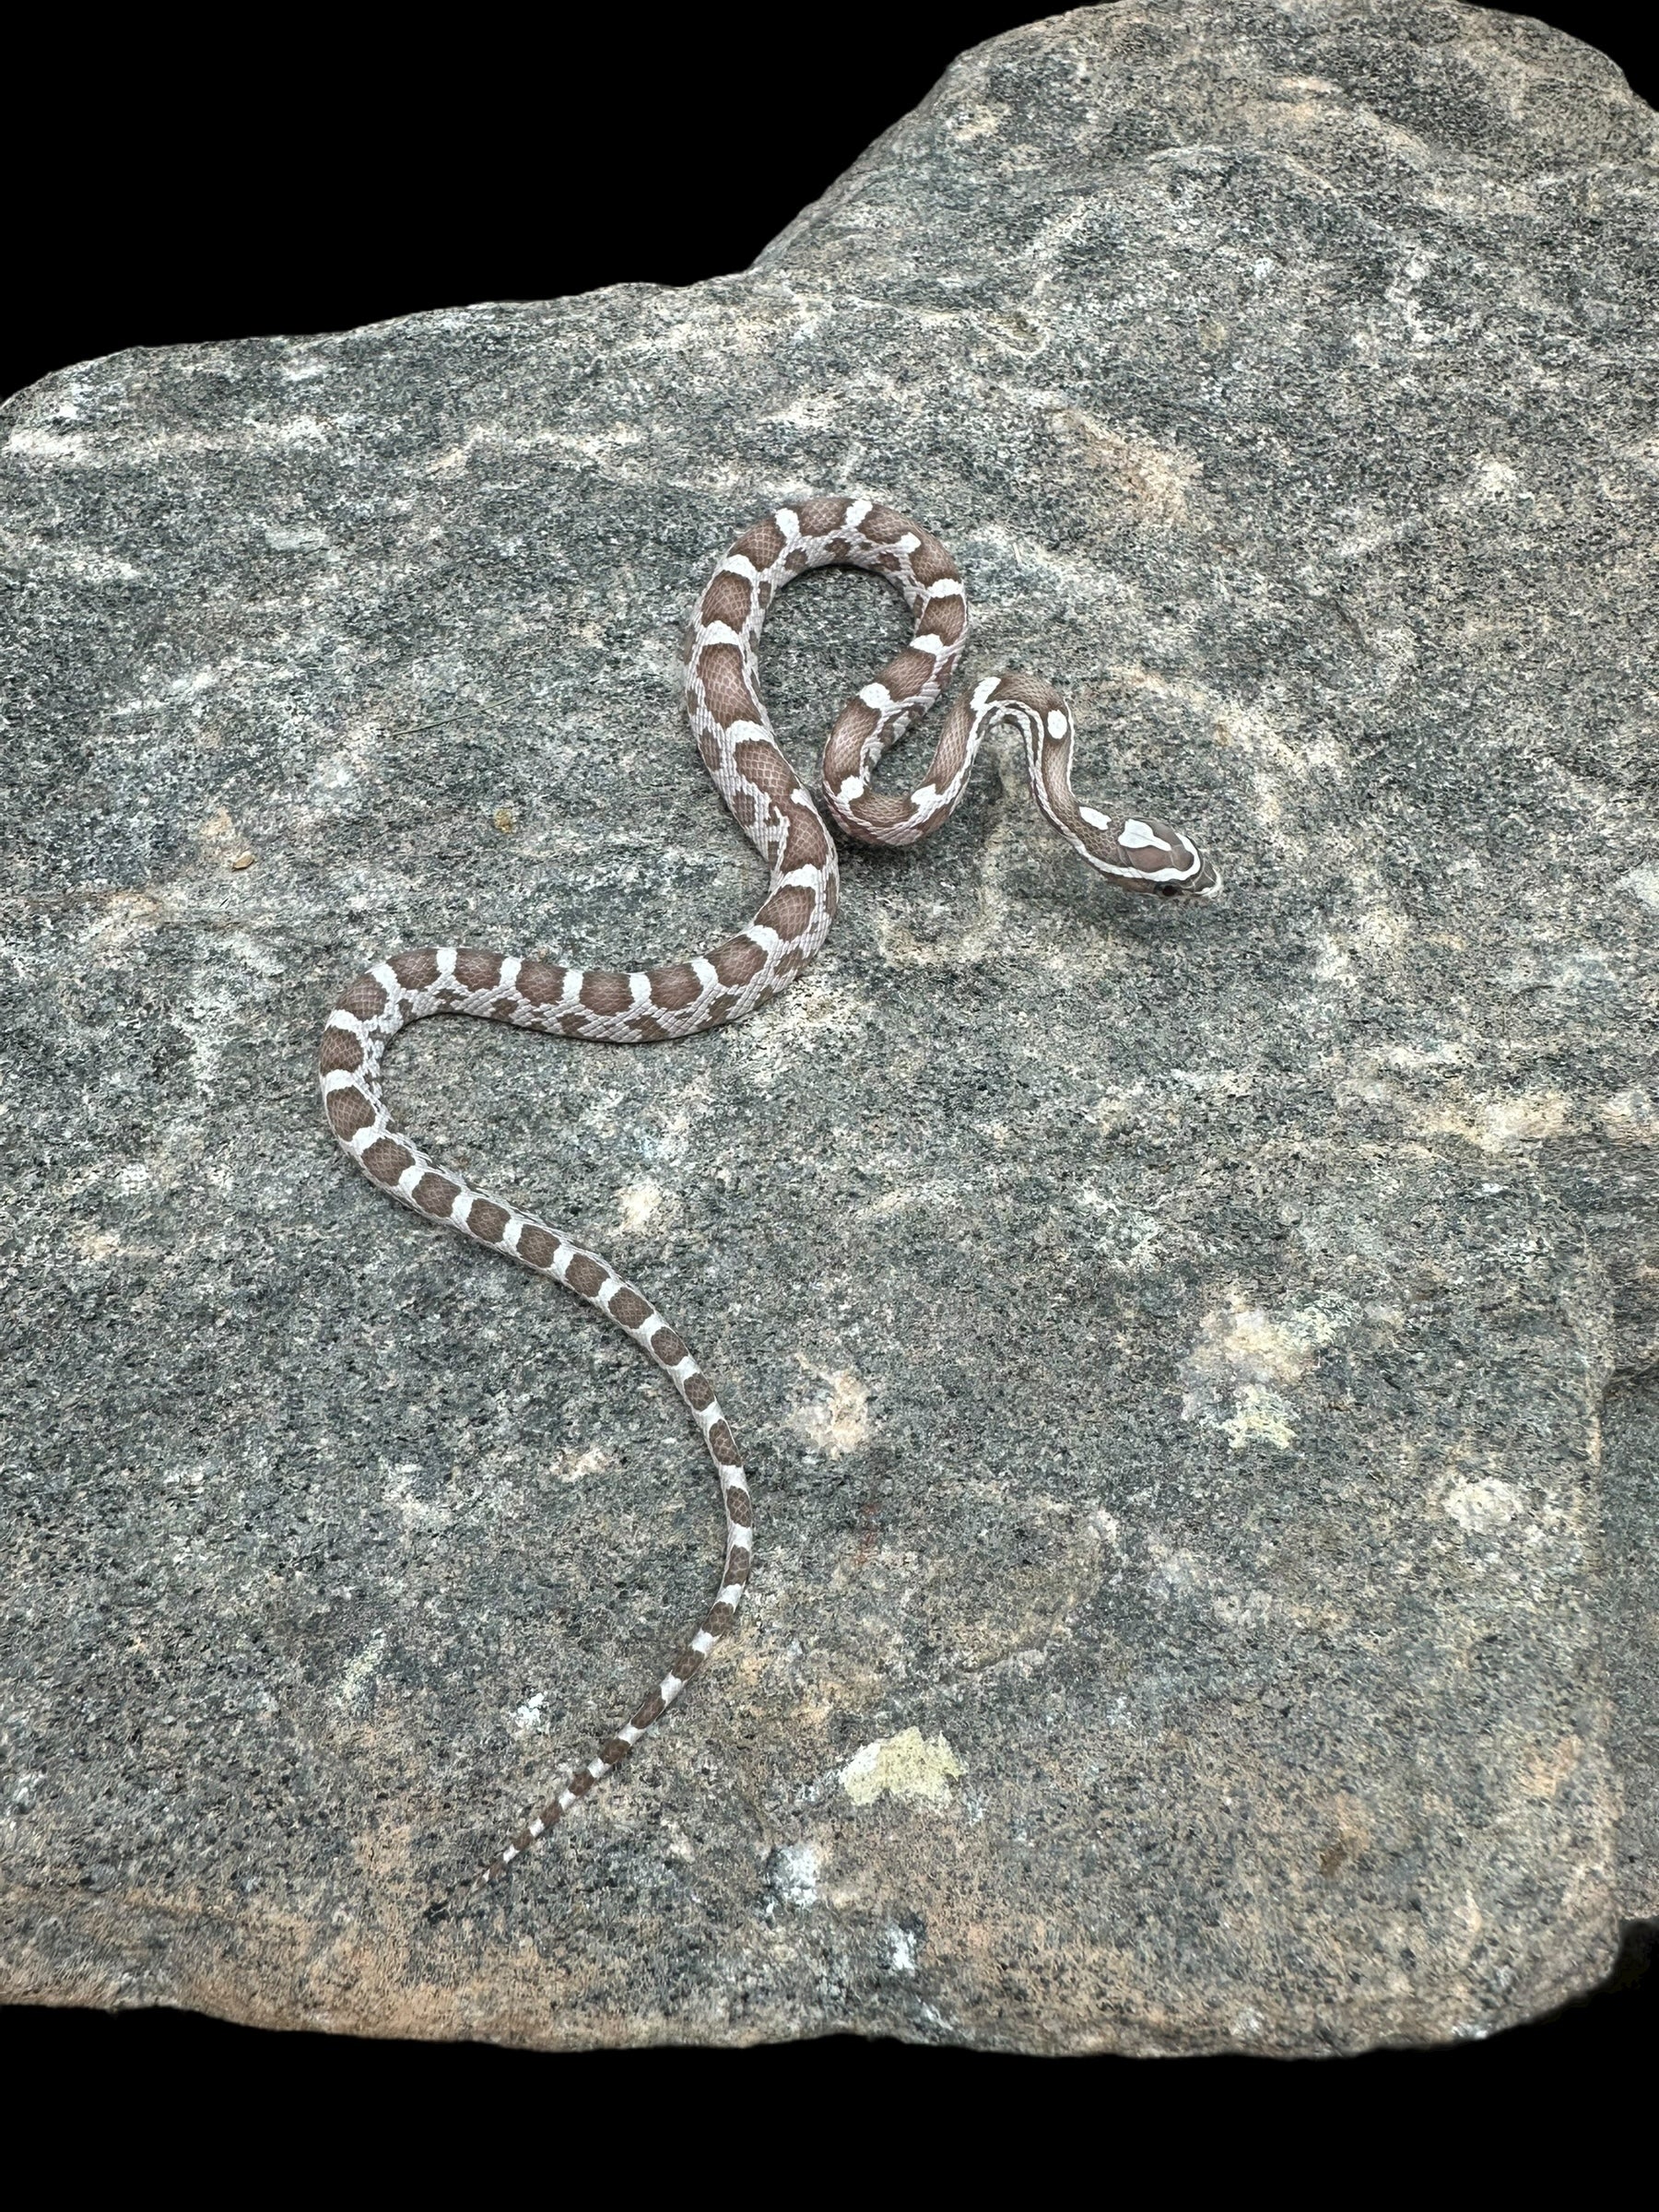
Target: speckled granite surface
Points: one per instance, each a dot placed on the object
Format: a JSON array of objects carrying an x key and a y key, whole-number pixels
[{"x": 1194, "y": 1605}]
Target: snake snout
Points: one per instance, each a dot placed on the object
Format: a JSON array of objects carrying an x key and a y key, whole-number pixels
[
  {"x": 1194, "y": 876},
  {"x": 1206, "y": 884}
]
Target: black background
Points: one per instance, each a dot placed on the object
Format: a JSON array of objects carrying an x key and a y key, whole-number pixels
[{"x": 300, "y": 173}]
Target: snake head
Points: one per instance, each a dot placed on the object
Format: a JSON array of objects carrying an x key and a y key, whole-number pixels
[
  {"x": 1132, "y": 850},
  {"x": 1140, "y": 855}
]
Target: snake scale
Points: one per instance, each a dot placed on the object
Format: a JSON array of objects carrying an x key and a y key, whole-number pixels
[{"x": 763, "y": 793}]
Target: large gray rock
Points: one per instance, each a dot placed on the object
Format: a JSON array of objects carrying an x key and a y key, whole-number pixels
[{"x": 1192, "y": 1606}]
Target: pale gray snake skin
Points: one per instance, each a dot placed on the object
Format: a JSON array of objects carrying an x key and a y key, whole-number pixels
[{"x": 735, "y": 738}]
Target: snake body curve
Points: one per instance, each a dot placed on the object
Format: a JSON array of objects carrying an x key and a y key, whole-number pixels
[{"x": 778, "y": 816}]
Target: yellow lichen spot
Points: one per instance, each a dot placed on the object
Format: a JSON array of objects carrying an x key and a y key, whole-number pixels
[
  {"x": 839, "y": 1422},
  {"x": 919, "y": 1770},
  {"x": 637, "y": 1202},
  {"x": 1253, "y": 1359},
  {"x": 973, "y": 123},
  {"x": 1498, "y": 1124},
  {"x": 505, "y": 820},
  {"x": 1260, "y": 1416},
  {"x": 1482, "y": 1506},
  {"x": 580, "y": 1467},
  {"x": 1252, "y": 1342}
]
